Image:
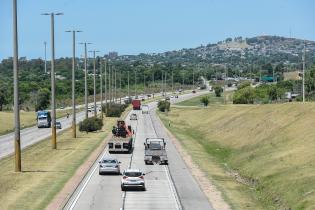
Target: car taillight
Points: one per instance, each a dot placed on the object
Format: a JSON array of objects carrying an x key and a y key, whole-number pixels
[
  {"x": 141, "y": 177},
  {"x": 125, "y": 177}
]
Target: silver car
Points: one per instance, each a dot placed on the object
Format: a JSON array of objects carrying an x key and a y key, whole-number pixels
[
  {"x": 132, "y": 179},
  {"x": 109, "y": 165}
]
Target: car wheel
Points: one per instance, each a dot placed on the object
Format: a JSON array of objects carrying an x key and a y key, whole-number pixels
[
  {"x": 143, "y": 189},
  {"x": 100, "y": 173},
  {"x": 146, "y": 162},
  {"x": 123, "y": 189}
]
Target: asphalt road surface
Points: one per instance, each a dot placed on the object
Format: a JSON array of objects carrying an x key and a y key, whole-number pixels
[{"x": 167, "y": 187}]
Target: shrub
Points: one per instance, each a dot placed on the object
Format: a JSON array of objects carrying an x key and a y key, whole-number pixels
[
  {"x": 244, "y": 96},
  {"x": 205, "y": 100},
  {"x": 91, "y": 124},
  {"x": 243, "y": 85},
  {"x": 114, "y": 110},
  {"x": 218, "y": 91},
  {"x": 164, "y": 106}
]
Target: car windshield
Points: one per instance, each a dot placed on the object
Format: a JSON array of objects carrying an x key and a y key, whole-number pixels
[
  {"x": 133, "y": 174},
  {"x": 109, "y": 161},
  {"x": 58, "y": 123},
  {"x": 155, "y": 145}
]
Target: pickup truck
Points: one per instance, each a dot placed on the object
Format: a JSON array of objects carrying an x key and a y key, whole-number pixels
[{"x": 155, "y": 152}]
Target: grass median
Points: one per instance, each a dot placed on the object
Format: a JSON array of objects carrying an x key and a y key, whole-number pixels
[
  {"x": 259, "y": 156},
  {"x": 195, "y": 101},
  {"x": 45, "y": 171}
]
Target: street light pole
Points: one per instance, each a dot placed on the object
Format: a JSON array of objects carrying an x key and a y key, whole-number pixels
[
  {"x": 101, "y": 87},
  {"x": 74, "y": 131},
  {"x": 135, "y": 84},
  {"x": 94, "y": 80},
  {"x": 128, "y": 86},
  {"x": 120, "y": 87},
  {"x": 53, "y": 81},
  {"x": 85, "y": 80},
  {"x": 303, "y": 79},
  {"x": 45, "y": 44},
  {"x": 17, "y": 138}
]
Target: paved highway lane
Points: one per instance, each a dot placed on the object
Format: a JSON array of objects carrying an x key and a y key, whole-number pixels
[
  {"x": 167, "y": 187},
  {"x": 33, "y": 135}
]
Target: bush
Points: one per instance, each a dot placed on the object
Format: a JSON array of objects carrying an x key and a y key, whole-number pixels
[
  {"x": 164, "y": 106},
  {"x": 218, "y": 90},
  {"x": 205, "y": 100},
  {"x": 244, "y": 96},
  {"x": 91, "y": 124},
  {"x": 114, "y": 110},
  {"x": 243, "y": 85}
]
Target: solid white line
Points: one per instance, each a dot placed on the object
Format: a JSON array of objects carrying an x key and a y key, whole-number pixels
[
  {"x": 84, "y": 186},
  {"x": 174, "y": 192}
]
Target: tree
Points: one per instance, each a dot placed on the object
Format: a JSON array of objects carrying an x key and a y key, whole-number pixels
[
  {"x": 42, "y": 99},
  {"x": 205, "y": 100},
  {"x": 244, "y": 96},
  {"x": 218, "y": 91},
  {"x": 3, "y": 98}
]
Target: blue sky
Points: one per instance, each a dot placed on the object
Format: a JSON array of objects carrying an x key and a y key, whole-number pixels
[{"x": 135, "y": 26}]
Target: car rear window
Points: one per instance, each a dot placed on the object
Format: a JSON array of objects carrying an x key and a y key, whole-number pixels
[
  {"x": 133, "y": 174},
  {"x": 109, "y": 161}
]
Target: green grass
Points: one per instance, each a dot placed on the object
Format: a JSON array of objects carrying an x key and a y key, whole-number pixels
[
  {"x": 269, "y": 147},
  {"x": 45, "y": 171},
  {"x": 225, "y": 98}
]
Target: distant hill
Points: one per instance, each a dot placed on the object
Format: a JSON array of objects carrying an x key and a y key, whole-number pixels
[{"x": 237, "y": 52}]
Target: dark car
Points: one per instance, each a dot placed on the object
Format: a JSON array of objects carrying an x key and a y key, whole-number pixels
[{"x": 58, "y": 125}]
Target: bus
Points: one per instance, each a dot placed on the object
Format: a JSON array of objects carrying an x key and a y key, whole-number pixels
[{"x": 43, "y": 119}]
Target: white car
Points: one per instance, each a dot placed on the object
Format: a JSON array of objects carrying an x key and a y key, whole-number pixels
[
  {"x": 133, "y": 116},
  {"x": 132, "y": 179},
  {"x": 108, "y": 165}
]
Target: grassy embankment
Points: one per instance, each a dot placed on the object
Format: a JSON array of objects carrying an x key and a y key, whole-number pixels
[
  {"x": 28, "y": 119},
  {"x": 226, "y": 98},
  {"x": 45, "y": 171},
  {"x": 259, "y": 156}
]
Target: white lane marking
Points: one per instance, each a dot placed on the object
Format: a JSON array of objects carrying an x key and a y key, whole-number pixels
[
  {"x": 174, "y": 192},
  {"x": 85, "y": 184}
]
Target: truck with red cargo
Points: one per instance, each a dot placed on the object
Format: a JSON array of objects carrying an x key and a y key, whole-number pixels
[
  {"x": 122, "y": 139},
  {"x": 136, "y": 104}
]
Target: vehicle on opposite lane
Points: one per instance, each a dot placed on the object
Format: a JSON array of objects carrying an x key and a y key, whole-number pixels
[
  {"x": 108, "y": 165},
  {"x": 145, "y": 109},
  {"x": 133, "y": 179}
]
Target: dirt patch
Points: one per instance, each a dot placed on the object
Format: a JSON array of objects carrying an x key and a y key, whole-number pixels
[{"x": 212, "y": 193}]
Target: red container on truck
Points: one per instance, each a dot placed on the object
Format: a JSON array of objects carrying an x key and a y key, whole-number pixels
[{"x": 136, "y": 104}]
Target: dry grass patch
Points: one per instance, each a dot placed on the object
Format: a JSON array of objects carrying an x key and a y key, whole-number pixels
[
  {"x": 271, "y": 147},
  {"x": 45, "y": 171}
]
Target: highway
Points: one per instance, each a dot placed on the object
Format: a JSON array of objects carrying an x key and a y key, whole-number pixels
[{"x": 167, "y": 187}]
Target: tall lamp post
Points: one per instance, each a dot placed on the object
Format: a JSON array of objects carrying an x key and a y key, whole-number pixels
[
  {"x": 94, "y": 79},
  {"x": 17, "y": 140},
  {"x": 85, "y": 79},
  {"x": 74, "y": 131},
  {"x": 53, "y": 85}
]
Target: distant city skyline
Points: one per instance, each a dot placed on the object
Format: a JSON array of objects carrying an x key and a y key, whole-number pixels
[{"x": 142, "y": 26}]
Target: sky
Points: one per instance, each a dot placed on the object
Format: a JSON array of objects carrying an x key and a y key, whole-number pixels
[{"x": 149, "y": 26}]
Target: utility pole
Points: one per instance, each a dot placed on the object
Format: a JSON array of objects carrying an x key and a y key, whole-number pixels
[
  {"x": 115, "y": 85},
  {"x": 144, "y": 91},
  {"x": 17, "y": 137},
  {"x": 172, "y": 82},
  {"x": 74, "y": 131},
  {"x": 101, "y": 87},
  {"x": 53, "y": 85},
  {"x": 303, "y": 79},
  {"x": 135, "y": 84},
  {"x": 193, "y": 79},
  {"x": 105, "y": 64},
  {"x": 109, "y": 84},
  {"x": 85, "y": 80},
  {"x": 45, "y": 44},
  {"x": 128, "y": 86},
  {"x": 153, "y": 86},
  {"x": 120, "y": 87},
  {"x": 94, "y": 80}
]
